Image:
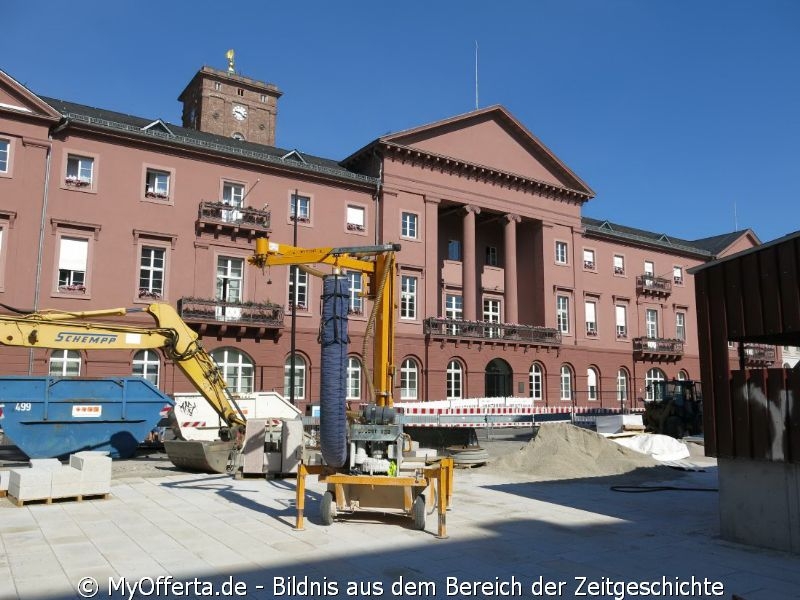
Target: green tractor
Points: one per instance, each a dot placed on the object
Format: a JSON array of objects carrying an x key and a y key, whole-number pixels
[{"x": 676, "y": 409}]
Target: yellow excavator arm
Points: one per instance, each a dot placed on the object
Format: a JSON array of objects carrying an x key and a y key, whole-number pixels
[{"x": 76, "y": 331}]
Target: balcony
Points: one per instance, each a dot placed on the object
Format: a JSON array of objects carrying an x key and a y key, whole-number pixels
[
  {"x": 485, "y": 331},
  {"x": 656, "y": 286},
  {"x": 220, "y": 218},
  {"x": 759, "y": 355},
  {"x": 247, "y": 319},
  {"x": 645, "y": 348}
]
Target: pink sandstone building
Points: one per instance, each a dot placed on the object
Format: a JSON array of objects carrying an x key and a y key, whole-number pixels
[{"x": 504, "y": 288}]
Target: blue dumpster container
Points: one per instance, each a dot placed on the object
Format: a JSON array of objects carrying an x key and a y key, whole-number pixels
[{"x": 53, "y": 417}]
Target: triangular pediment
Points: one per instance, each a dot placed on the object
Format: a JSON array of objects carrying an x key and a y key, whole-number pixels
[
  {"x": 158, "y": 126},
  {"x": 16, "y": 99},
  {"x": 492, "y": 138}
]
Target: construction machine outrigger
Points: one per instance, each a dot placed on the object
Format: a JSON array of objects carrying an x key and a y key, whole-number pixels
[
  {"x": 68, "y": 330},
  {"x": 368, "y": 472}
]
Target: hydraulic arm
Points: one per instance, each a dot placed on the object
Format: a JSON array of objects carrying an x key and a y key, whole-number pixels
[{"x": 75, "y": 331}]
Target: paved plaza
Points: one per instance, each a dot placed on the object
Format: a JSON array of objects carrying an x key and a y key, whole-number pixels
[{"x": 184, "y": 535}]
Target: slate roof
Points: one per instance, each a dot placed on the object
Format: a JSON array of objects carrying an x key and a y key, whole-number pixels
[
  {"x": 706, "y": 248},
  {"x": 191, "y": 138}
]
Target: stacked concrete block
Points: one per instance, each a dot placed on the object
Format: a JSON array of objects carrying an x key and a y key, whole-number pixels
[
  {"x": 95, "y": 470},
  {"x": 65, "y": 482},
  {"x": 30, "y": 484},
  {"x": 4, "y": 477}
]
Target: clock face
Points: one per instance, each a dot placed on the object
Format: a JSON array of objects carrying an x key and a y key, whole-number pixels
[{"x": 239, "y": 112}]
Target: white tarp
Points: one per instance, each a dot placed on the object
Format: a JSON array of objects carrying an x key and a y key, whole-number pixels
[{"x": 662, "y": 448}]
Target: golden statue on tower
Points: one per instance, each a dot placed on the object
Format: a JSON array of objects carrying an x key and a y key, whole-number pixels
[{"x": 229, "y": 55}]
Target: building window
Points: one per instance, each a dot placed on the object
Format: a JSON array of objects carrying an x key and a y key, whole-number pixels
[
  {"x": 217, "y": 86},
  {"x": 299, "y": 285},
  {"x": 353, "y": 379},
  {"x": 5, "y": 149},
  {"x": 146, "y": 365},
  {"x": 240, "y": 91},
  {"x": 65, "y": 363},
  {"x": 233, "y": 194},
  {"x": 302, "y": 205},
  {"x": 356, "y": 306},
  {"x": 622, "y": 321},
  {"x": 591, "y": 319},
  {"x": 653, "y": 391},
  {"x": 454, "y": 250},
  {"x": 408, "y": 225},
  {"x": 562, "y": 313},
  {"x": 237, "y": 369},
  {"x": 299, "y": 377},
  {"x": 619, "y": 264},
  {"x": 562, "y": 253},
  {"x": 649, "y": 268},
  {"x": 591, "y": 384},
  {"x": 677, "y": 275},
  {"x": 536, "y": 381},
  {"x": 156, "y": 184},
  {"x": 491, "y": 256},
  {"x": 454, "y": 310},
  {"x": 72, "y": 259},
  {"x": 566, "y": 383},
  {"x": 455, "y": 374},
  {"x": 408, "y": 297},
  {"x": 408, "y": 379},
  {"x": 651, "y": 318},
  {"x": 680, "y": 325},
  {"x": 151, "y": 273},
  {"x": 588, "y": 260},
  {"x": 491, "y": 314},
  {"x": 355, "y": 218},
  {"x": 622, "y": 385},
  {"x": 683, "y": 375},
  {"x": 80, "y": 170},
  {"x": 229, "y": 279}
]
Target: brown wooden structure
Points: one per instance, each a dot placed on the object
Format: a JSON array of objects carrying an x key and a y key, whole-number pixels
[{"x": 752, "y": 297}]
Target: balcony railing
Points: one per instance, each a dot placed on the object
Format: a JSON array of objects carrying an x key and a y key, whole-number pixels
[
  {"x": 650, "y": 284},
  {"x": 252, "y": 314},
  {"x": 221, "y": 215},
  {"x": 657, "y": 348},
  {"x": 759, "y": 355},
  {"x": 486, "y": 330}
]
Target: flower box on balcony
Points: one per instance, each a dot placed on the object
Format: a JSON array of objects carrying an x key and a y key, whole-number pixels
[
  {"x": 678, "y": 280},
  {"x": 591, "y": 332},
  {"x": 355, "y": 227},
  {"x": 355, "y": 311},
  {"x": 619, "y": 271},
  {"x": 300, "y": 219},
  {"x": 159, "y": 195},
  {"x": 588, "y": 264},
  {"x": 151, "y": 294}
]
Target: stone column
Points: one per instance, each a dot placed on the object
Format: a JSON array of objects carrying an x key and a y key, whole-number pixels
[
  {"x": 468, "y": 263},
  {"x": 510, "y": 268}
]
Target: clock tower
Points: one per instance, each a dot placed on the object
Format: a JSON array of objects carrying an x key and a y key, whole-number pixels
[{"x": 229, "y": 104}]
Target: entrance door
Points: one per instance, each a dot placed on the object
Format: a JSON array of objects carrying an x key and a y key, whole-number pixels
[{"x": 498, "y": 379}]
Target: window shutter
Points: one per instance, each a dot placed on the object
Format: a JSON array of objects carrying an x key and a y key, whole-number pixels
[
  {"x": 588, "y": 256},
  {"x": 73, "y": 254},
  {"x": 618, "y": 262},
  {"x": 590, "y": 312},
  {"x": 620, "y": 316},
  {"x": 355, "y": 215}
]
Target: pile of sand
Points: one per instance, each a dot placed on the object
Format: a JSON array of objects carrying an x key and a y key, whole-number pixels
[{"x": 563, "y": 451}]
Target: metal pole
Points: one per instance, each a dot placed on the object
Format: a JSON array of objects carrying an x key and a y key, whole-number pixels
[{"x": 293, "y": 336}]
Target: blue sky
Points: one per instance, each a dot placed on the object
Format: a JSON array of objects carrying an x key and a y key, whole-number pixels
[{"x": 679, "y": 114}]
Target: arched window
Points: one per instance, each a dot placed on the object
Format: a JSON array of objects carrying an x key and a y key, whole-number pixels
[
  {"x": 455, "y": 376},
  {"x": 536, "y": 381},
  {"x": 236, "y": 367},
  {"x": 65, "y": 363},
  {"x": 353, "y": 378},
  {"x": 408, "y": 379},
  {"x": 683, "y": 375},
  {"x": 653, "y": 391},
  {"x": 146, "y": 365},
  {"x": 566, "y": 383},
  {"x": 299, "y": 377},
  {"x": 622, "y": 386},
  {"x": 591, "y": 384}
]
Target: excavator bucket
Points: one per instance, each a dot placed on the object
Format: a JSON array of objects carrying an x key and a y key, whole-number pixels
[{"x": 200, "y": 456}]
